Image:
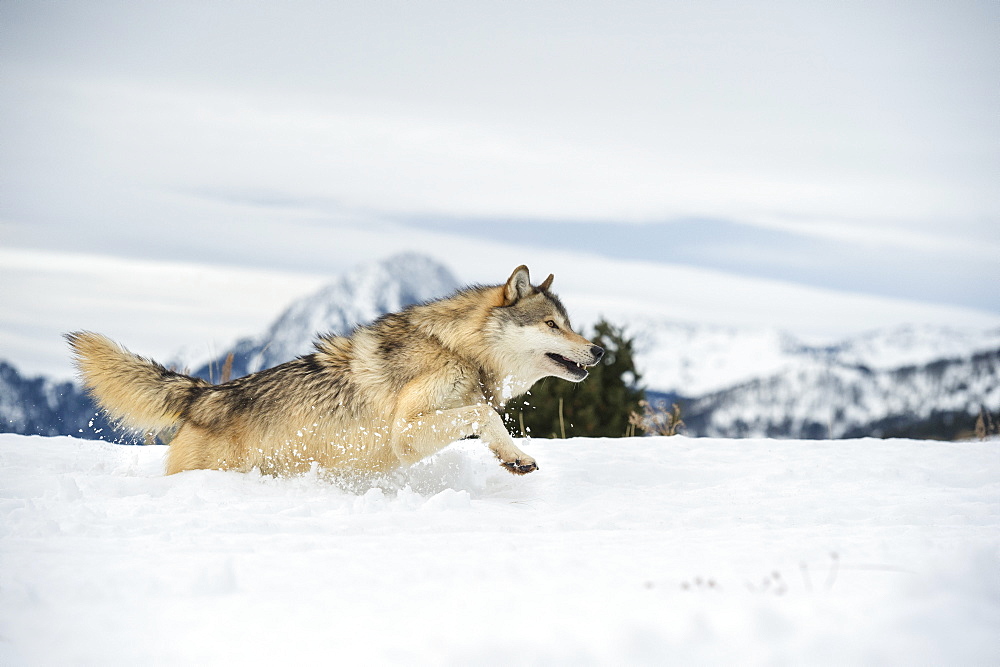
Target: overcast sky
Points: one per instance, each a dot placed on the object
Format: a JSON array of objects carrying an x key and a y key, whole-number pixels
[{"x": 853, "y": 145}]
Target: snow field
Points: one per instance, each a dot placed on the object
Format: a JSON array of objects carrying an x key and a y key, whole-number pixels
[{"x": 634, "y": 551}]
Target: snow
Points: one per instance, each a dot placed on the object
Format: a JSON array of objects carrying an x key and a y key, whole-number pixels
[{"x": 624, "y": 551}]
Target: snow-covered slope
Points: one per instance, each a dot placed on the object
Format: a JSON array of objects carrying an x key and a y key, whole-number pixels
[
  {"x": 910, "y": 380},
  {"x": 825, "y": 398},
  {"x": 356, "y": 297},
  {"x": 626, "y": 551},
  {"x": 899, "y": 347},
  {"x": 697, "y": 359},
  {"x": 694, "y": 359}
]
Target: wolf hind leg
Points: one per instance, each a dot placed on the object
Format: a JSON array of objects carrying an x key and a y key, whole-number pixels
[
  {"x": 194, "y": 448},
  {"x": 424, "y": 434}
]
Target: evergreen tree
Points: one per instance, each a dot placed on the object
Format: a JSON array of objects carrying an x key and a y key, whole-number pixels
[{"x": 597, "y": 407}]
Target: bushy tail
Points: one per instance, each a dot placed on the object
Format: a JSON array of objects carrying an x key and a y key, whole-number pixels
[{"x": 134, "y": 391}]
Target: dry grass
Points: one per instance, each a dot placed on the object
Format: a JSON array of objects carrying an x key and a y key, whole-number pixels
[
  {"x": 656, "y": 419},
  {"x": 985, "y": 424}
]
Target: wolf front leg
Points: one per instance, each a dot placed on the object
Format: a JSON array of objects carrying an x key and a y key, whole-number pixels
[
  {"x": 491, "y": 431},
  {"x": 421, "y": 435}
]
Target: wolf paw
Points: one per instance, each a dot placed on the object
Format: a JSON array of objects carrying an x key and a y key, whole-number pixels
[{"x": 520, "y": 467}]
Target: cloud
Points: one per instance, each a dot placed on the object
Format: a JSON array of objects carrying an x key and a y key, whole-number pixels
[
  {"x": 905, "y": 265},
  {"x": 858, "y": 124}
]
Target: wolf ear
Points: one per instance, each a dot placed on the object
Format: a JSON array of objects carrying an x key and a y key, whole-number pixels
[
  {"x": 546, "y": 284},
  {"x": 518, "y": 286}
]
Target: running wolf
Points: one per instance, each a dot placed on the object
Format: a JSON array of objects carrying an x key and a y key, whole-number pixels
[{"x": 390, "y": 394}]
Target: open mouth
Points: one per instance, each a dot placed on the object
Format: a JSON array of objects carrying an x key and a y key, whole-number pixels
[{"x": 573, "y": 367}]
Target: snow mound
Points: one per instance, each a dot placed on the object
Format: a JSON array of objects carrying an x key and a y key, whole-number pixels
[{"x": 638, "y": 550}]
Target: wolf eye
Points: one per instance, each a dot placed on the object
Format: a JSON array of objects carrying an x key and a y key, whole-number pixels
[{"x": 552, "y": 325}]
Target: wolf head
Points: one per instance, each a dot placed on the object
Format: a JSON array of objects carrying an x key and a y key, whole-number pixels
[{"x": 536, "y": 335}]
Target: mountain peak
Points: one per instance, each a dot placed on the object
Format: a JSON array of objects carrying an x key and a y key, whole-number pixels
[{"x": 358, "y": 296}]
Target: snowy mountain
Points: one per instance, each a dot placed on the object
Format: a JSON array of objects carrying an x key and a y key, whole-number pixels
[
  {"x": 694, "y": 359},
  {"x": 40, "y": 406},
  {"x": 356, "y": 297},
  {"x": 699, "y": 359},
  {"x": 901, "y": 347},
  {"x": 908, "y": 381},
  {"x": 827, "y": 398}
]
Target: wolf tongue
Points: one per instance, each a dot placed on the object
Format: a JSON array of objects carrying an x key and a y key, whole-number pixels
[{"x": 568, "y": 363}]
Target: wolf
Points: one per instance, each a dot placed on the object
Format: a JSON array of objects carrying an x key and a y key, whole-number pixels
[{"x": 388, "y": 395}]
